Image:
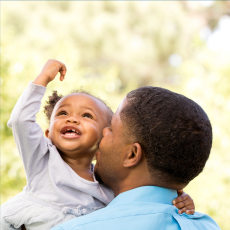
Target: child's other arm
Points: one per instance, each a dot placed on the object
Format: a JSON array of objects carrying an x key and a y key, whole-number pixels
[
  {"x": 184, "y": 203},
  {"x": 29, "y": 137}
]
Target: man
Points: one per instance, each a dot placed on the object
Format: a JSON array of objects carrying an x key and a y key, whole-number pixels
[{"x": 157, "y": 143}]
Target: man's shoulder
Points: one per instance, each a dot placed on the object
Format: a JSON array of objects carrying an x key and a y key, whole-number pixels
[
  {"x": 133, "y": 216},
  {"x": 140, "y": 215},
  {"x": 199, "y": 221}
]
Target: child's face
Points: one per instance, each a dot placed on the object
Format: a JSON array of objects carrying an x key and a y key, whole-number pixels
[{"x": 76, "y": 125}]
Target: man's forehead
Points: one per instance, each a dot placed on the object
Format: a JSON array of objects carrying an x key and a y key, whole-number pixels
[
  {"x": 122, "y": 105},
  {"x": 116, "y": 119}
]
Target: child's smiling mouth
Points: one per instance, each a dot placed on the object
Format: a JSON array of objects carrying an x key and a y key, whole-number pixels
[{"x": 70, "y": 132}]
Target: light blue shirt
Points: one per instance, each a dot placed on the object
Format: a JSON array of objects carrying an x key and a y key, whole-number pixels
[{"x": 143, "y": 208}]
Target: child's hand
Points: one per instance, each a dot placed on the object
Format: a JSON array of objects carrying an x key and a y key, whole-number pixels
[
  {"x": 49, "y": 72},
  {"x": 184, "y": 203}
]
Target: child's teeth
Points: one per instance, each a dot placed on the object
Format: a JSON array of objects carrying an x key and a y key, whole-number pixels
[{"x": 73, "y": 130}]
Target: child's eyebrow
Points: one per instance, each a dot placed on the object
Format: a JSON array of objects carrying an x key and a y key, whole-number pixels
[
  {"x": 63, "y": 105},
  {"x": 87, "y": 108},
  {"x": 90, "y": 109}
]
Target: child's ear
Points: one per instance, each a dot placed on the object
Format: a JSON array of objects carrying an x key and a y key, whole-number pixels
[{"x": 47, "y": 133}]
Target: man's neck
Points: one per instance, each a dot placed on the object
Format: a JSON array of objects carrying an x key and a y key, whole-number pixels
[
  {"x": 131, "y": 182},
  {"x": 135, "y": 182}
]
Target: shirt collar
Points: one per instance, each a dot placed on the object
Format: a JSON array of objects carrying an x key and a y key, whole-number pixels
[{"x": 146, "y": 194}]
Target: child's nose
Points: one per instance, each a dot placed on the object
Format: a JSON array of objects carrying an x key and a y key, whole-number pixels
[{"x": 72, "y": 120}]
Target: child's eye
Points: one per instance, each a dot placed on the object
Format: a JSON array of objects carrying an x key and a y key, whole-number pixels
[
  {"x": 62, "y": 113},
  {"x": 88, "y": 115}
]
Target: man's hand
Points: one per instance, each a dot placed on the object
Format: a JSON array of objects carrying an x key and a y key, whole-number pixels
[
  {"x": 184, "y": 203},
  {"x": 49, "y": 72}
]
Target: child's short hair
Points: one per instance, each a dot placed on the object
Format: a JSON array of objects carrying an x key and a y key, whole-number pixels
[{"x": 54, "y": 98}]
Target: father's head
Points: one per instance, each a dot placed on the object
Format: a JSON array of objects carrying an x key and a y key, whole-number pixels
[{"x": 157, "y": 137}]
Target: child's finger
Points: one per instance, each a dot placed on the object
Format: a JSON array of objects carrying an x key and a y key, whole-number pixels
[
  {"x": 180, "y": 192},
  {"x": 185, "y": 209},
  {"x": 62, "y": 71},
  {"x": 180, "y": 211},
  {"x": 190, "y": 212},
  {"x": 184, "y": 203},
  {"x": 62, "y": 75},
  {"x": 181, "y": 198},
  {"x": 62, "y": 78},
  {"x": 188, "y": 207}
]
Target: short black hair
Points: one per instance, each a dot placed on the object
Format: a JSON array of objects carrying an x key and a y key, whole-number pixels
[
  {"x": 174, "y": 132},
  {"x": 55, "y": 97}
]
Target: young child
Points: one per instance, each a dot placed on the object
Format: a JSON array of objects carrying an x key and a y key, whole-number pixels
[{"x": 60, "y": 181}]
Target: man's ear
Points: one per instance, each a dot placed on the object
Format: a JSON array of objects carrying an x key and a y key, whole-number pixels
[
  {"x": 47, "y": 133},
  {"x": 134, "y": 157}
]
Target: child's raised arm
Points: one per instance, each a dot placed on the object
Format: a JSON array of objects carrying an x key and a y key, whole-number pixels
[
  {"x": 49, "y": 72},
  {"x": 29, "y": 137},
  {"x": 184, "y": 203}
]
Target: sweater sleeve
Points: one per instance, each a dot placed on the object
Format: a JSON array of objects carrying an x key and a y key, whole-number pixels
[{"x": 28, "y": 135}]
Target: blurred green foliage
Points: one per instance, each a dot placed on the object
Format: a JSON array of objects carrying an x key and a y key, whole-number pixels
[{"x": 110, "y": 48}]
